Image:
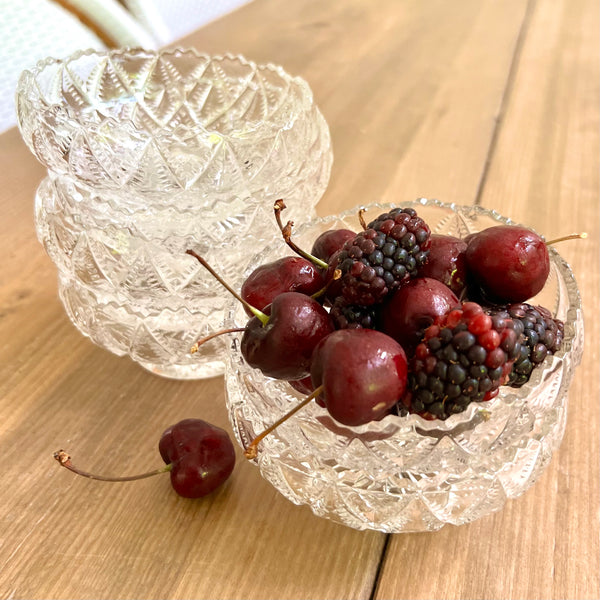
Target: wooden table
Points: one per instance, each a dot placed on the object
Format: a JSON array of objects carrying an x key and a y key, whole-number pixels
[{"x": 474, "y": 102}]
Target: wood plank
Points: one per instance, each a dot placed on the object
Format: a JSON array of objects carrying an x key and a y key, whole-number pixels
[
  {"x": 543, "y": 172},
  {"x": 411, "y": 90},
  {"x": 395, "y": 81}
]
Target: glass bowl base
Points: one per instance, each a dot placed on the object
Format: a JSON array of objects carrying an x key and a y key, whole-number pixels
[{"x": 202, "y": 370}]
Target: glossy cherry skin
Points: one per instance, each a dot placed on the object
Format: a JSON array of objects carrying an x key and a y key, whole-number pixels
[
  {"x": 283, "y": 347},
  {"x": 201, "y": 456},
  {"x": 287, "y": 274},
  {"x": 509, "y": 263},
  {"x": 363, "y": 373},
  {"x": 413, "y": 308},
  {"x": 446, "y": 262},
  {"x": 330, "y": 242}
]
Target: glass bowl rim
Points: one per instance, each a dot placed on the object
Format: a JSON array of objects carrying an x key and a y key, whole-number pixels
[{"x": 28, "y": 81}]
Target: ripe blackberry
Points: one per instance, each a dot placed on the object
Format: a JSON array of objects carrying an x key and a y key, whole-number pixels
[
  {"x": 382, "y": 257},
  {"x": 539, "y": 335},
  {"x": 463, "y": 358},
  {"x": 352, "y": 316}
]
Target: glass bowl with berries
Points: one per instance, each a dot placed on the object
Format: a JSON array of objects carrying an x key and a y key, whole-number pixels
[{"x": 398, "y": 368}]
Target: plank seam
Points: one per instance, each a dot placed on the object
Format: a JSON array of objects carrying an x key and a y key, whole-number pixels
[
  {"x": 508, "y": 88},
  {"x": 379, "y": 571}
]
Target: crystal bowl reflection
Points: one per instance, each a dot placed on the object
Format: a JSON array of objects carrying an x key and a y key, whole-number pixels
[
  {"x": 405, "y": 474},
  {"x": 150, "y": 153}
]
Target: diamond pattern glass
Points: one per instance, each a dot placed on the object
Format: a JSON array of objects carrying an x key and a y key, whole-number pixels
[
  {"x": 149, "y": 154},
  {"x": 405, "y": 474}
]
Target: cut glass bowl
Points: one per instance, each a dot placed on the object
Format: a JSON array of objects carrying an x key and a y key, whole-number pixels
[
  {"x": 405, "y": 474},
  {"x": 176, "y": 128},
  {"x": 151, "y": 153}
]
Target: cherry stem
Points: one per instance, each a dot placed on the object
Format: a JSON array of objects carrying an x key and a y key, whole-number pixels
[
  {"x": 264, "y": 319},
  {"x": 251, "y": 451},
  {"x": 203, "y": 340},
  {"x": 286, "y": 231},
  {"x": 65, "y": 461},
  {"x": 337, "y": 273},
  {"x": 573, "y": 236},
  {"x": 361, "y": 218}
]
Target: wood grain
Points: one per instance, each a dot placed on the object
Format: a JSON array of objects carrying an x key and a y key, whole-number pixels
[
  {"x": 411, "y": 90},
  {"x": 476, "y": 101},
  {"x": 543, "y": 171}
]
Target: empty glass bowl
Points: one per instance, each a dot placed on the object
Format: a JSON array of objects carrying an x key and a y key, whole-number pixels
[
  {"x": 150, "y": 153},
  {"x": 405, "y": 474}
]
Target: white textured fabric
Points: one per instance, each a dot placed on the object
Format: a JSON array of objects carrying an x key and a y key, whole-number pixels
[{"x": 32, "y": 30}]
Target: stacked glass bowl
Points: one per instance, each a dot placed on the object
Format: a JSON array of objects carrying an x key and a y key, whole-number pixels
[
  {"x": 405, "y": 473},
  {"x": 153, "y": 153}
]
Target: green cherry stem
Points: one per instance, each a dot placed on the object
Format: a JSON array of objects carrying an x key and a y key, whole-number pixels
[
  {"x": 286, "y": 231},
  {"x": 251, "y": 451},
  {"x": 264, "y": 319},
  {"x": 64, "y": 460},
  {"x": 336, "y": 275}
]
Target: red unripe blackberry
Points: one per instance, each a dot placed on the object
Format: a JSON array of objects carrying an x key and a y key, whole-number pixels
[
  {"x": 464, "y": 357},
  {"x": 539, "y": 336},
  {"x": 379, "y": 259}
]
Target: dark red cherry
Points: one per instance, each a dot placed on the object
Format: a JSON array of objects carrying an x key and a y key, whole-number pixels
[
  {"x": 330, "y": 242},
  {"x": 446, "y": 262},
  {"x": 287, "y": 274},
  {"x": 363, "y": 373},
  {"x": 305, "y": 387},
  {"x": 201, "y": 456},
  {"x": 413, "y": 308},
  {"x": 282, "y": 348},
  {"x": 508, "y": 262}
]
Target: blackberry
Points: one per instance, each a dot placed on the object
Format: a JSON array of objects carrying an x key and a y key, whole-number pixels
[
  {"x": 463, "y": 358},
  {"x": 539, "y": 335},
  {"x": 352, "y": 316},
  {"x": 382, "y": 257}
]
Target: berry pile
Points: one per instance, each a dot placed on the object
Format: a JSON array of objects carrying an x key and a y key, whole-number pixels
[{"x": 450, "y": 315}]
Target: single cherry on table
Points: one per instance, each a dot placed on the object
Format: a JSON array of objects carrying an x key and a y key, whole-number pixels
[{"x": 199, "y": 456}]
